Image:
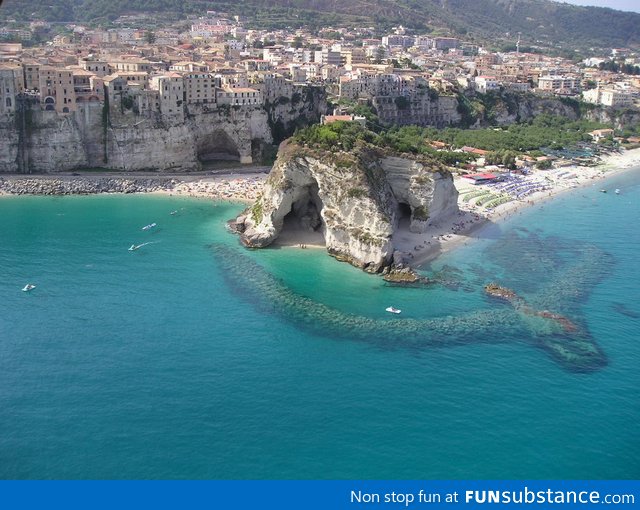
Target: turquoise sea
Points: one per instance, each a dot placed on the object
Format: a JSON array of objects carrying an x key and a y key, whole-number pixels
[{"x": 194, "y": 358}]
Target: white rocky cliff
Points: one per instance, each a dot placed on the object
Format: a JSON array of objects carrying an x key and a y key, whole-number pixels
[
  {"x": 357, "y": 200},
  {"x": 115, "y": 136}
]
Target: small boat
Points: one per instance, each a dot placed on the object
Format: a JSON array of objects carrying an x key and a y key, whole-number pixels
[
  {"x": 28, "y": 287},
  {"x": 617, "y": 191},
  {"x": 150, "y": 226},
  {"x": 173, "y": 213},
  {"x": 134, "y": 247},
  {"x": 603, "y": 191},
  {"x": 391, "y": 309}
]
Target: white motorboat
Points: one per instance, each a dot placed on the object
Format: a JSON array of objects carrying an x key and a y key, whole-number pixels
[
  {"x": 617, "y": 191},
  {"x": 28, "y": 287},
  {"x": 148, "y": 227},
  {"x": 391, "y": 309}
]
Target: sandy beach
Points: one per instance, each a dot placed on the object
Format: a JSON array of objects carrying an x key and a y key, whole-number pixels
[
  {"x": 243, "y": 187},
  {"x": 473, "y": 217},
  {"x": 480, "y": 205}
]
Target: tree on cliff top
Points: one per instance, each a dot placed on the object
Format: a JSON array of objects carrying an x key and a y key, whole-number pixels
[
  {"x": 335, "y": 136},
  {"x": 345, "y": 136}
]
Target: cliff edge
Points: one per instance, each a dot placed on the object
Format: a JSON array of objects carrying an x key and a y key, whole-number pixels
[{"x": 357, "y": 198}]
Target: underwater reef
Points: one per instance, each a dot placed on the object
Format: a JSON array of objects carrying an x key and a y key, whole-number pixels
[{"x": 547, "y": 320}]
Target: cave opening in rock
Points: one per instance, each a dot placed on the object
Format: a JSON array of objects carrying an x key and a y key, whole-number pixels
[
  {"x": 217, "y": 147},
  {"x": 404, "y": 215},
  {"x": 303, "y": 224}
]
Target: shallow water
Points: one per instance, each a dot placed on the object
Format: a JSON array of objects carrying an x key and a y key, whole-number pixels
[{"x": 170, "y": 362}]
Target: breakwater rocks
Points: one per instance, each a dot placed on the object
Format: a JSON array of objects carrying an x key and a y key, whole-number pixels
[
  {"x": 576, "y": 351},
  {"x": 400, "y": 275},
  {"x": 519, "y": 303},
  {"x": 84, "y": 186}
]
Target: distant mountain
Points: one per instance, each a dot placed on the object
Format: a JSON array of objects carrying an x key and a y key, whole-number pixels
[{"x": 540, "y": 22}]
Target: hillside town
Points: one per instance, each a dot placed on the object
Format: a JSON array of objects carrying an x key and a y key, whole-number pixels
[{"x": 406, "y": 78}]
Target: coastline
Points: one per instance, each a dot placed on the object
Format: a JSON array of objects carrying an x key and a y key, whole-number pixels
[
  {"x": 245, "y": 186},
  {"x": 472, "y": 219},
  {"x": 238, "y": 186},
  {"x": 468, "y": 225}
]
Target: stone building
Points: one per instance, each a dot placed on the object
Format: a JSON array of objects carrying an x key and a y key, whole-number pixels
[
  {"x": 200, "y": 88},
  {"x": 56, "y": 89},
  {"x": 11, "y": 84},
  {"x": 98, "y": 67},
  {"x": 170, "y": 87},
  {"x": 239, "y": 97}
]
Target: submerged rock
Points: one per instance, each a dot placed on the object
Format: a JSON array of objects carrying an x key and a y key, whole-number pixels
[
  {"x": 575, "y": 350},
  {"x": 403, "y": 276},
  {"x": 495, "y": 290}
]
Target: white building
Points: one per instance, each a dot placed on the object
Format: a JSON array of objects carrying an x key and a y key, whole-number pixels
[
  {"x": 239, "y": 96},
  {"x": 484, "y": 84},
  {"x": 553, "y": 83},
  {"x": 609, "y": 96}
]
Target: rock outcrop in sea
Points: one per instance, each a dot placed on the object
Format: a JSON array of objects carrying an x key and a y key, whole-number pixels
[{"x": 356, "y": 199}]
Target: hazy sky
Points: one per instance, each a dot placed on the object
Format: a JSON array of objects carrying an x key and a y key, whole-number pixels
[{"x": 622, "y": 5}]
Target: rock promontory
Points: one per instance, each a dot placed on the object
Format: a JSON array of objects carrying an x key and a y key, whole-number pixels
[{"x": 355, "y": 194}]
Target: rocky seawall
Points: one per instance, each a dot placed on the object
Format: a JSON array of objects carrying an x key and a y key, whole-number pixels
[
  {"x": 357, "y": 200},
  {"x": 83, "y": 186}
]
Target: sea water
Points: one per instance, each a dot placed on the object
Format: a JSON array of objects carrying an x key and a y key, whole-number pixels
[{"x": 169, "y": 362}]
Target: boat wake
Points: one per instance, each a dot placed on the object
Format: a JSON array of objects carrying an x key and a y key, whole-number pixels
[{"x": 135, "y": 247}]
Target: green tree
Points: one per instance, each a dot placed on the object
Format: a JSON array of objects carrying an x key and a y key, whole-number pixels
[
  {"x": 509, "y": 159},
  {"x": 380, "y": 54}
]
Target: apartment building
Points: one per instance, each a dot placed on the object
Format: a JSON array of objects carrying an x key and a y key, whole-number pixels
[
  {"x": 11, "y": 83},
  {"x": 200, "y": 88},
  {"x": 239, "y": 96},
  {"x": 56, "y": 89},
  {"x": 553, "y": 83}
]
